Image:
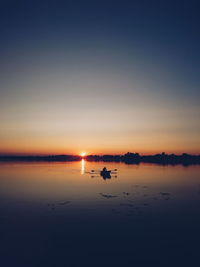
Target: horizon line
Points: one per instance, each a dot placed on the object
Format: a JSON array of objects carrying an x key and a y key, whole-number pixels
[{"x": 95, "y": 154}]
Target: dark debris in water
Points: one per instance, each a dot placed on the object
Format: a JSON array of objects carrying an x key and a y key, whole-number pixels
[
  {"x": 165, "y": 194},
  {"x": 126, "y": 193},
  {"x": 52, "y": 206},
  {"x": 107, "y": 196}
]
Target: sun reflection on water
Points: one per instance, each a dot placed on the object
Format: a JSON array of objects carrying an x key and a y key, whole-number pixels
[{"x": 82, "y": 166}]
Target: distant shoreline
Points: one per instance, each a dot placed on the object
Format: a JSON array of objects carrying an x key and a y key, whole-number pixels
[{"x": 128, "y": 158}]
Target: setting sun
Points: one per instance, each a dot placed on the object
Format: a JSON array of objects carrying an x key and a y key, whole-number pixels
[{"x": 82, "y": 154}]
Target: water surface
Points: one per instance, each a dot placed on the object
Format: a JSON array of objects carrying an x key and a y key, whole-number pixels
[{"x": 62, "y": 214}]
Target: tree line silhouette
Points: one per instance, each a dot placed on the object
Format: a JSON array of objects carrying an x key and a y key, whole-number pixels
[
  {"x": 128, "y": 158},
  {"x": 136, "y": 158}
]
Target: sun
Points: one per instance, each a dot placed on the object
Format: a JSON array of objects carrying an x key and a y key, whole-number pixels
[{"x": 83, "y": 154}]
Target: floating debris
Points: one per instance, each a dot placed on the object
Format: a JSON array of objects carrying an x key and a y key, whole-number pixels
[
  {"x": 126, "y": 193},
  {"x": 165, "y": 194},
  {"x": 107, "y": 196}
]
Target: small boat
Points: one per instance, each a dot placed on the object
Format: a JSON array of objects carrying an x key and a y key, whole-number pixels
[{"x": 104, "y": 173}]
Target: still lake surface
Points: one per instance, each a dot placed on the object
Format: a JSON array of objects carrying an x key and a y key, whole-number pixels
[{"x": 61, "y": 214}]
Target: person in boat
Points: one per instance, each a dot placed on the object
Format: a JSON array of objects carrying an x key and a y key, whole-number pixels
[{"x": 105, "y": 173}]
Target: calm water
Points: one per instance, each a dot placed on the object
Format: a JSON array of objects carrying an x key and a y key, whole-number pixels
[{"x": 61, "y": 214}]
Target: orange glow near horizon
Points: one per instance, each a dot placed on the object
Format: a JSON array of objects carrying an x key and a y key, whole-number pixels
[
  {"x": 105, "y": 142},
  {"x": 98, "y": 152},
  {"x": 57, "y": 147}
]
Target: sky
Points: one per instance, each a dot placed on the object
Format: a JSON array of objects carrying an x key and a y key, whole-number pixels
[{"x": 99, "y": 77}]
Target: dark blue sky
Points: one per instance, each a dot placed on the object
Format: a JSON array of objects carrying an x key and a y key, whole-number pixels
[{"x": 139, "y": 58}]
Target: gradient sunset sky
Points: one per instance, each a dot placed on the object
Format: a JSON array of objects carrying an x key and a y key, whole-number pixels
[{"x": 99, "y": 76}]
